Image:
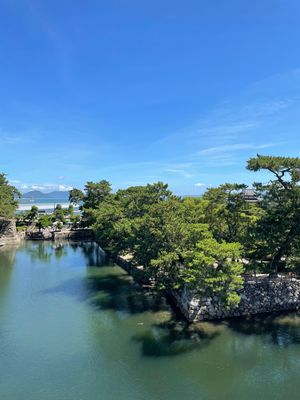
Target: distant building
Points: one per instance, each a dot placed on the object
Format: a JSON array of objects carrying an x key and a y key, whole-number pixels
[{"x": 250, "y": 196}]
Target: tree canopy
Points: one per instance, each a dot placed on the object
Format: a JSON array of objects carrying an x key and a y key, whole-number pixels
[
  {"x": 277, "y": 231},
  {"x": 164, "y": 233},
  {"x": 204, "y": 243},
  {"x": 208, "y": 242},
  {"x": 8, "y": 198}
]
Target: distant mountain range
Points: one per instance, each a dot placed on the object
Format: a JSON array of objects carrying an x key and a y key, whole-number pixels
[{"x": 37, "y": 195}]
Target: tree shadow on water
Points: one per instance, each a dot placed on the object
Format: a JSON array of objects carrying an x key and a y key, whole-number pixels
[
  {"x": 174, "y": 337},
  {"x": 168, "y": 334},
  {"x": 118, "y": 292},
  {"x": 162, "y": 332},
  {"x": 95, "y": 256},
  {"x": 282, "y": 329}
]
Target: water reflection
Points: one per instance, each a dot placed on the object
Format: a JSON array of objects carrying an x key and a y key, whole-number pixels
[
  {"x": 282, "y": 329},
  {"x": 174, "y": 337},
  {"x": 93, "y": 254},
  {"x": 118, "y": 292},
  {"x": 162, "y": 332},
  {"x": 39, "y": 251},
  {"x": 7, "y": 261},
  {"x": 167, "y": 334},
  {"x": 8, "y": 256},
  {"x": 43, "y": 251}
]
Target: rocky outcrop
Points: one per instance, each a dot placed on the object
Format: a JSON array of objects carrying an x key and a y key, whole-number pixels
[
  {"x": 8, "y": 231},
  {"x": 258, "y": 296}
]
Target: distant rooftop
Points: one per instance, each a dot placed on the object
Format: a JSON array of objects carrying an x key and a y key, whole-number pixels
[{"x": 249, "y": 195}]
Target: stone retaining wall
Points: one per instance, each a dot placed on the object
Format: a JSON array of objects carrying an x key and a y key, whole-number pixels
[
  {"x": 8, "y": 231},
  {"x": 257, "y": 296},
  {"x": 135, "y": 271},
  {"x": 77, "y": 234},
  {"x": 66, "y": 234}
]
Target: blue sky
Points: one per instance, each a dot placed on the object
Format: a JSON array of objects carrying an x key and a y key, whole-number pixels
[{"x": 141, "y": 91}]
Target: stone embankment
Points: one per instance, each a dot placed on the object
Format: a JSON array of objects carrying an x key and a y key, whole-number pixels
[
  {"x": 135, "y": 271},
  {"x": 258, "y": 296},
  {"x": 65, "y": 234},
  {"x": 9, "y": 234},
  {"x": 76, "y": 234},
  {"x": 261, "y": 294},
  {"x": 8, "y": 231}
]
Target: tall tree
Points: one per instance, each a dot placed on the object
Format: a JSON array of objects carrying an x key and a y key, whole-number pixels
[
  {"x": 277, "y": 232},
  {"x": 90, "y": 199},
  {"x": 95, "y": 193},
  {"x": 43, "y": 222},
  {"x": 76, "y": 196},
  {"x": 33, "y": 213},
  {"x": 58, "y": 214},
  {"x": 227, "y": 212},
  {"x": 8, "y": 198}
]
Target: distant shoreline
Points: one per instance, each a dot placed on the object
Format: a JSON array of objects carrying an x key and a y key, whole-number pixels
[{"x": 42, "y": 206}]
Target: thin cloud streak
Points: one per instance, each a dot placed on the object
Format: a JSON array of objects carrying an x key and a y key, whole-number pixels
[{"x": 235, "y": 147}]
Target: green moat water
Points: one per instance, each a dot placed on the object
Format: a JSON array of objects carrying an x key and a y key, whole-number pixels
[{"x": 73, "y": 326}]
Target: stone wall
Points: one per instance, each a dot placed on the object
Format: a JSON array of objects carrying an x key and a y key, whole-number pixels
[
  {"x": 135, "y": 271},
  {"x": 261, "y": 294},
  {"x": 77, "y": 234},
  {"x": 65, "y": 234},
  {"x": 258, "y": 296},
  {"x": 8, "y": 231}
]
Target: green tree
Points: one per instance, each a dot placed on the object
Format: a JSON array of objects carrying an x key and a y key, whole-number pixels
[
  {"x": 75, "y": 219},
  {"x": 58, "y": 215},
  {"x": 32, "y": 215},
  {"x": 70, "y": 210},
  {"x": 76, "y": 196},
  {"x": 43, "y": 222},
  {"x": 8, "y": 198},
  {"x": 90, "y": 199},
  {"x": 215, "y": 268},
  {"x": 167, "y": 235},
  {"x": 96, "y": 193},
  {"x": 227, "y": 212},
  {"x": 277, "y": 232}
]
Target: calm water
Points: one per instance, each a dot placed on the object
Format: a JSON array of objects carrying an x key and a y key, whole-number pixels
[{"x": 73, "y": 326}]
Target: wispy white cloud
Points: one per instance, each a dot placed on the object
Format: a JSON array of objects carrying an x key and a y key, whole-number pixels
[
  {"x": 180, "y": 172},
  {"x": 200, "y": 184},
  {"x": 234, "y": 147},
  {"x": 9, "y": 139},
  {"x": 254, "y": 110}
]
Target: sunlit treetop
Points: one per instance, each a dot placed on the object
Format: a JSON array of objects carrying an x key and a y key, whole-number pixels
[{"x": 286, "y": 169}]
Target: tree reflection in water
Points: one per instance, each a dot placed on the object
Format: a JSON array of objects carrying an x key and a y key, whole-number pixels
[
  {"x": 112, "y": 289},
  {"x": 7, "y": 261},
  {"x": 282, "y": 329}
]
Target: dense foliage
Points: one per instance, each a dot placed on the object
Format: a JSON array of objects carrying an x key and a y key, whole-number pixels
[
  {"x": 275, "y": 238},
  {"x": 208, "y": 242},
  {"x": 8, "y": 198},
  {"x": 166, "y": 235},
  {"x": 204, "y": 242}
]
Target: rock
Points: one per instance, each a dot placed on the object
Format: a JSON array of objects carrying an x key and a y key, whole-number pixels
[{"x": 266, "y": 295}]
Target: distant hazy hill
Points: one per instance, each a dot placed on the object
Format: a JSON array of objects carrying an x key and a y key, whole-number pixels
[{"x": 36, "y": 194}]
